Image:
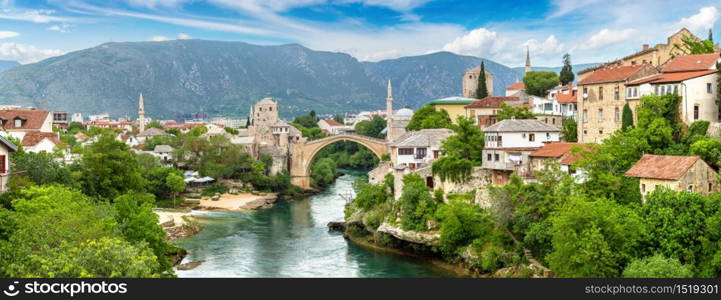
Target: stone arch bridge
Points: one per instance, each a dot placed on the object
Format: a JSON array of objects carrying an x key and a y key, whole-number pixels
[{"x": 303, "y": 154}]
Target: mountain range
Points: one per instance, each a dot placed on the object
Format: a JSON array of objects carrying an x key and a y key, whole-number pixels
[{"x": 226, "y": 78}]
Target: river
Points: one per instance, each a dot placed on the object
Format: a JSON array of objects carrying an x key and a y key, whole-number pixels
[{"x": 292, "y": 240}]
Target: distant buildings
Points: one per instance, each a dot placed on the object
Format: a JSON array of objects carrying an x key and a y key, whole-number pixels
[
  {"x": 455, "y": 106},
  {"x": 484, "y": 112},
  {"x": 678, "y": 173},
  {"x": 331, "y": 126},
  {"x": 99, "y": 117},
  {"x": 33, "y": 128}
]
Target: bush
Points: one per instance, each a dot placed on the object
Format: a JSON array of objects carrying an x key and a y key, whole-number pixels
[
  {"x": 370, "y": 195},
  {"x": 416, "y": 203},
  {"x": 462, "y": 223},
  {"x": 657, "y": 266},
  {"x": 213, "y": 189}
]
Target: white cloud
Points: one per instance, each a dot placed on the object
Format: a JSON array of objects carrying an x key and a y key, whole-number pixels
[
  {"x": 478, "y": 42},
  {"x": 8, "y": 34},
  {"x": 156, "y": 3},
  {"x": 703, "y": 20},
  {"x": 184, "y": 36},
  {"x": 563, "y": 7},
  {"x": 550, "y": 47},
  {"x": 607, "y": 37},
  {"x": 63, "y": 28},
  {"x": 158, "y": 38},
  {"x": 26, "y": 53},
  {"x": 35, "y": 16}
]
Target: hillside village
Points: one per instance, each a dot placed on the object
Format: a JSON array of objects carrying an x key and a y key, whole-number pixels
[{"x": 479, "y": 164}]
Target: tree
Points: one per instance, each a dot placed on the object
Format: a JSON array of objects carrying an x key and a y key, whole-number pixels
[
  {"x": 566, "y": 75},
  {"x": 428, "y": 117},
  {"x": 627, "y": 117},
  {"x": 569, "y": 131},
  {"x": 108, "y": 169},
  {"x": 514, "y": 112},
  {"x": 307, "y": 121},
  {"x": 693, "y": 45},
  {"x": 322, "y": 172},
  {"x": 416, "y": 203},
  {"x": 75, "y": 127},
  {"x": 657, "y": 266},
  {"x": 176, "y": 184},
  {"x": 198, "y": 131},
  {"x": 463, "y": 151},
  {"x": 461, "y": 223},
  {"x": 371, "y": 128},
  {"x": 155, "y": 124},
  {"x": 537, "y": 83},
  {"x": 139, "y": 224},
  {"x": 41, "y": 168},
  {"x": 482, "y": 90}
]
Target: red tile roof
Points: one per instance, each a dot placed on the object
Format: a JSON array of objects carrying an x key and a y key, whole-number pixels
[
  {"x": 611, "y": 74},
  {"x": 491, "y": 102},
  {"x": 33, "y": 138},
  {"x": 332, "y": 122},
  {"x": 560, "y": 150},
  {"x": 692, "y": 63},
  {"x": 671, "y": 77},
  {"x": 34, "y": 119},
  {"x": 566, "y": 98},
  {"x": 667, "y": 167},
  {"x": 516, "y": 86}
]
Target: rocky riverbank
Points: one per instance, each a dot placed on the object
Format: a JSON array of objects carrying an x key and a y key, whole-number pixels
[
  {"x": 177, "y": 224},
  {"x": 239, "y": 202}
]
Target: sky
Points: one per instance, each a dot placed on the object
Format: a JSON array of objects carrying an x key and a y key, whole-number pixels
[{"x": 590, "y": 31}]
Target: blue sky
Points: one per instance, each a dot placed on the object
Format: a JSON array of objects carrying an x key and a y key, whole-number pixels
[{"x": 370, "y": 30}]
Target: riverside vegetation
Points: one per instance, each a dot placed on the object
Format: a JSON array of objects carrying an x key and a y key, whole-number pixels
[{"x": 599, "y": 228}]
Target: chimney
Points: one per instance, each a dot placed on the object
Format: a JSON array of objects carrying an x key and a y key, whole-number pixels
[{"x": 645, "y": 47}]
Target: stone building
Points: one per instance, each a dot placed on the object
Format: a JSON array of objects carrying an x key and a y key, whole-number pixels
[
  {"x": 272, "y": 135},
  {"x": 678, "y": 173},
  {"x": 601, "y": 98},
  {"x": 485, "y": 111},
  {"x": 470, "y": 82}
]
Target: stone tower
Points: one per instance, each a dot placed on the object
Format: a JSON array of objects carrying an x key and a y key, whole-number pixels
[
  {"x": 141, "y": 114},
  {"x": 528, "y": 60}
]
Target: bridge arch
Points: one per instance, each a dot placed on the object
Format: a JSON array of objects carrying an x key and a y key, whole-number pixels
[{"x": 303, "y": 154}]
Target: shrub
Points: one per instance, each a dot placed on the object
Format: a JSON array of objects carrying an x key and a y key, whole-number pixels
[
  {"x": 213, "y": 189},
  {"x": 657, "y": 266}
]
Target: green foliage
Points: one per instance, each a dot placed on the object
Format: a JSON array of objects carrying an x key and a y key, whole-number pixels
[
  {"x": 75, "y": 127},
  {"x": 482, "y": 90},
  {"x": 461, "y": 223},
  {"x": 416, "y": 203},
  {"x": 371, "y": 128},
  {"x": 709, "y": 149},
  {"x": 626, "y": 117},
  {"x": 693, "y": 45},
  {"x": 198, "y": 131},
  {"x": 427, "y": 117},
  {"x": 175, "y": 184},
  {"x": 657, "y": 266},
  {"x": 370, "y": 195},
  {"x": 569, "y": 130},
  {"x": 514, "y": 112},
  {"x": 452, "y": 168},
  {"x": 108, "y": 169},
  {"x": 215, "y": 188},
  {"x": 232, "y": 131},
  {"x": 307, "y": 121},
  {"x": 155, "y": 124},
  {"x": 463, "y": 151},
  {"x": 139, "y": 224},
  {"x": 566, "y": 75},
  {"x": 310, "y": 133},
  {"x": 537, "y": 83},
  {"x": 593, "y": 238},
  {"x": 41, "y": 168},
  {"x": 322, "y": 172}
]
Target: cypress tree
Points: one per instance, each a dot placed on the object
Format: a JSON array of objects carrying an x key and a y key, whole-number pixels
[
  {"x": 710, "y": 35},
  {"x": 482, "y": 90},
  {"x": 627, "y": 117},
  {"x": 566, "y": 75}
]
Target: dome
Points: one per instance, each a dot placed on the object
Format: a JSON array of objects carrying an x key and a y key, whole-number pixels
[{"x": 404, "y": 112}]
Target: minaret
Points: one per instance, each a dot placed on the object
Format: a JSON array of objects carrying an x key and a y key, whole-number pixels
[
  {"x": 141, "y": 114},
  {"x": 528, "y": 60},
  {"x": 389, "y": 104}
]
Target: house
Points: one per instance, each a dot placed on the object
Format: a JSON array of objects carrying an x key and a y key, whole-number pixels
[
  {"x": 693, "y": 77},
  {"x": 601, "y": 99},
  {"x": 509, "y": 143},
  {"x": 60, "y": 119},
  {"x": 484, "y": 112},
  {"x": 678, "y": 173},
  {"x": 164, "y": 152},
  {"x": 129, "y": 140},
  {"x": 39, "y": 142},
  {"x": 455, "y": 106},
  {"x": 416, "y": 149},
  {"x": 6, "y": 147},
  {"x": 247, "y": 143},
  {"x": 331, "y": 126},
  {"x": 514, "y": 89},
  {"x": 568, "y": 105},
  {"x": 560, "y": 152},
  {"x": 151, "y": 133},
  {"x": 18, "y": 122},
  {"x": 214, "y": 129}
]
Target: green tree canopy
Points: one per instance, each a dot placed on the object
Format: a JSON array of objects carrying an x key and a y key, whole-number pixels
[
  {"x": 428, "y": 117},
  {"x": 537, "y": 83},
  {"x": 569, "y": 130},
  {"x": 627, "y": 117},
  {"x": 108, "y": 169},
  {"x": 566, "y": 75},
  {"x": 514, "y": 112},
  {"x": 657, "y": 266},
  {"x": 371, "y": 128}
]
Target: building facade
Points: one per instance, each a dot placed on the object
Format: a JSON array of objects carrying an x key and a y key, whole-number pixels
[
  {"x": 677, "y": 173},
  {"x": 470, "y": 82}
]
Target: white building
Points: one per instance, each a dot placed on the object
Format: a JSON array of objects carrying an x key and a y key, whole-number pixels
[
  {"x": 693, "y": 77},
  {"x": 231, "y": 123},
  {"x": 99, "y": 117},
  {"x": 40, "y": 142},
  {"x": 509, "y": 143},
  {"x": 416, "y": 149},
  {"x": 77, "y": 117},
  {"x": 333, "y": 127},
  {"x": 34, "y": 128},
  {"x": 164, "y": 152}
]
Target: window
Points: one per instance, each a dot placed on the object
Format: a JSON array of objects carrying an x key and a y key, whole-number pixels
[
  {"x": 710, "y": 187},
  {"x": 3, "y": 162},
  {"x": 585, "y": 116},
  {"x": 436, "y": 154},
  {"x": 18, "y": 123},
  {"x": 548, "y": 135},
  {"x": 585, "y": 131},
  {"x": 405, "y": 151},
  {"x": 600, "y": 92},
  {"x": 489, "y": 157},
  {"x": 600, "y": 131},
  {"x": 421, "y": 152},
  {"x": 496, "y": 157},
  {"x": 270, "y": 108},
  {"x": 472, "y": 113},
  {"x": 531, "y": 136},
  {"x": 600, "y": 115},
  {"x": 708, "y": 88},
  {"x": 617, "y": 114},
  {"x": 643, "y": 188},
  {"x": 616, "y": 93},
  {"x": 690, "y": 188},
  {"x": 548, "y": 106},
  {"x": 695, "y": 112},
  {"x": 553, "y": 121}
]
